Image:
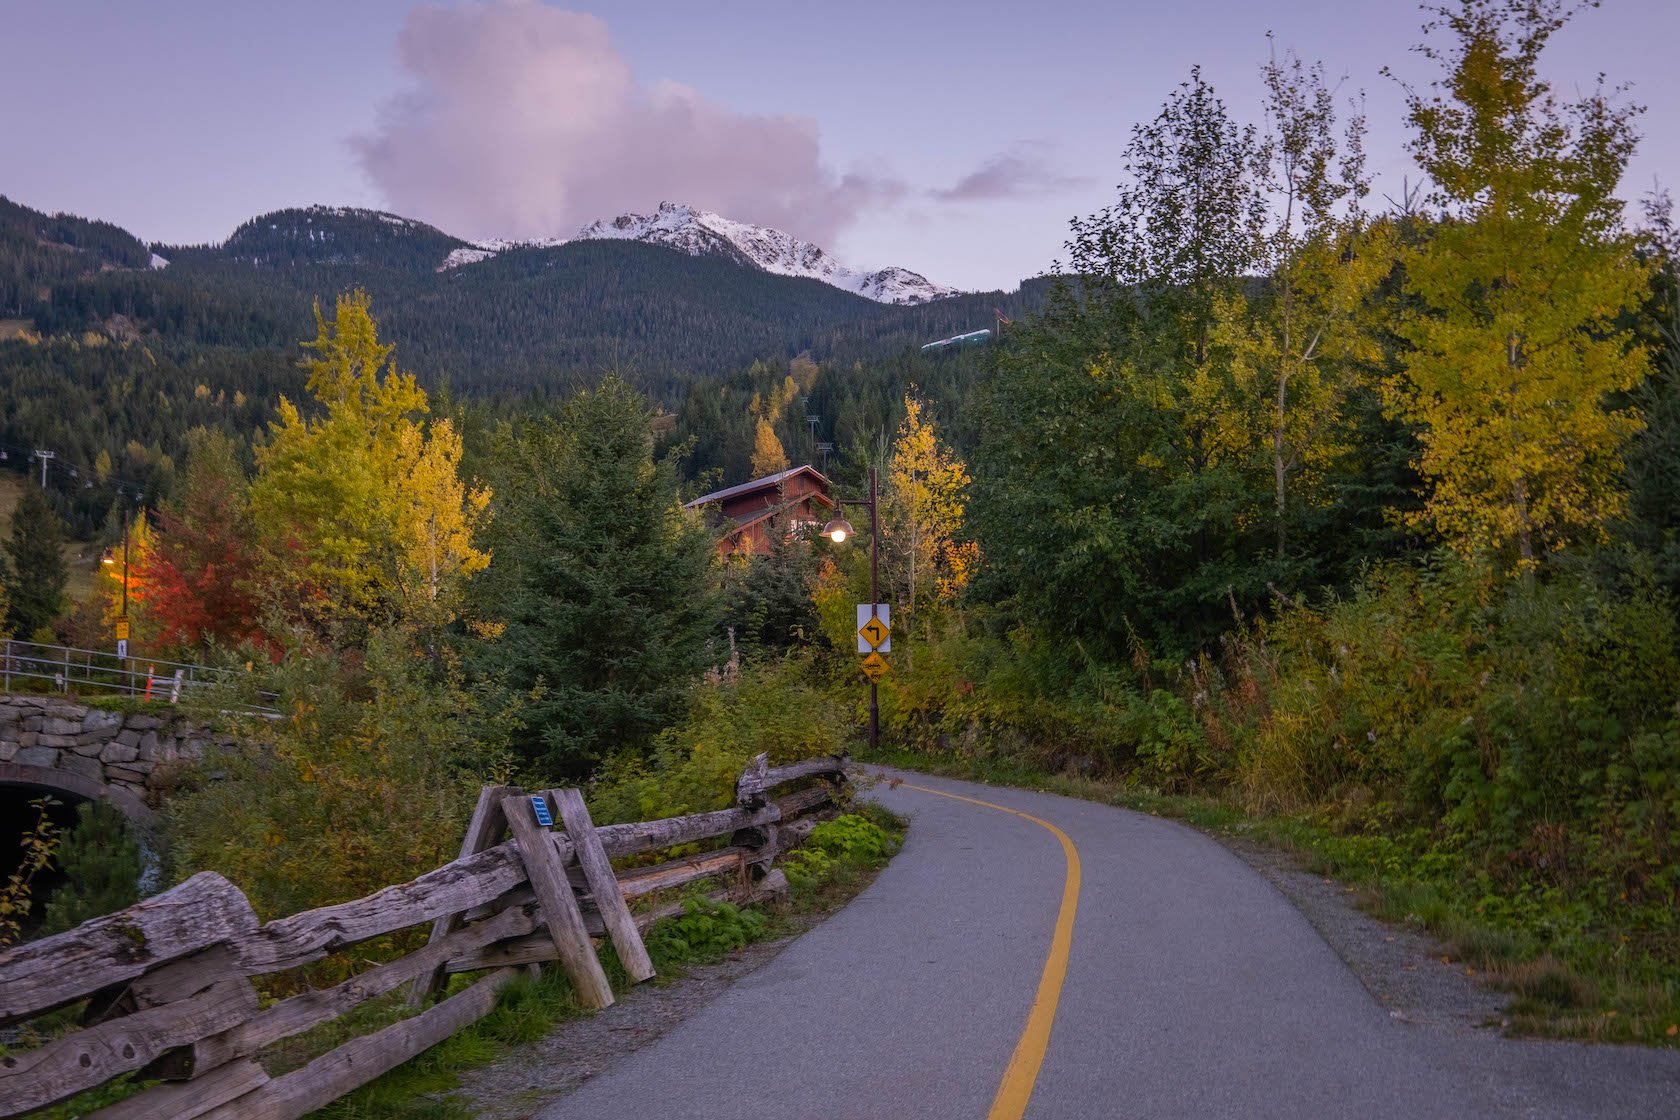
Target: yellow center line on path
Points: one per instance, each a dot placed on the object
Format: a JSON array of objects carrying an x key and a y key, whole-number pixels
[{"x": 1018, "y": 1080}]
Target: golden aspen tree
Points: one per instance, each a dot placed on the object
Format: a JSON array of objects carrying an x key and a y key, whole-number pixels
[
  {"x": 1296, "y": 351},
  {"x": 768, "y": 456},
  {"x": 1520, "y": 344},
  {"x": 362, "y": 510},
  {"x": 925, "y": 493}
]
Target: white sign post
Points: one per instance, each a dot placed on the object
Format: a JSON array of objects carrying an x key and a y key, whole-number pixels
[{"x": 882, "y": 612}]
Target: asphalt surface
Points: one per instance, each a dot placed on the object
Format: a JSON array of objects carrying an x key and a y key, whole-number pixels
[{"x": 1193, "y": 989}]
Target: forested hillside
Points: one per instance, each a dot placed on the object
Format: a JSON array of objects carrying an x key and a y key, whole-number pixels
[
  {"x": 110, "y": 361},
  {"x": 528, "y": 319}
]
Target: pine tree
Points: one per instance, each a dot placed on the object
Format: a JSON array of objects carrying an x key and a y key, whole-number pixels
[
  {"x": 36, "y": 551},
  {"x": 605, "y": 585},
  {"x": 100, "y": 859}
]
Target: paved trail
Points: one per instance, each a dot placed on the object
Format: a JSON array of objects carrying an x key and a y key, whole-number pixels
[{"x": 1191, "y": 989}]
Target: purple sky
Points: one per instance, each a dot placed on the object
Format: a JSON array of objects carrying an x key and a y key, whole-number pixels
[{"x": 952, "y": 138}]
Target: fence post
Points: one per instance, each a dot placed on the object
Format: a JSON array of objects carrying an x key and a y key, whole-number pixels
[
  {"x": 559, "y": 905},
  {"x": 603, "y": 884},
  {"x": 484, "y": 831},
  {"x": 8, "y": 669},
  {"x": 64, "y": 681}
]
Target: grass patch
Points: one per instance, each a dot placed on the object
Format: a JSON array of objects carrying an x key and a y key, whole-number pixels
[{"x": 1574, "y": 968}]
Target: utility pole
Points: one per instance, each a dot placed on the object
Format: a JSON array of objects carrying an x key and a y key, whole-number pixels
[{"x": 874, "y": 602}]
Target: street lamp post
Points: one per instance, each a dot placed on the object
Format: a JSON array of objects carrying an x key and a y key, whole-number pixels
[
  {"x": 122, "y": 619},
  {"x": 838, "y": 530}
]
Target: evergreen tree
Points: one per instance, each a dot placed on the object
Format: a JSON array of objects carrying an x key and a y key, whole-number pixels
[
  {"x": 100, "y": 858},
  {"x": 767, "y": 599},
  {"x": 606, "y": 589},
  {"x": 39, "y": 574},
  {"x": 1653, "y": 458}
]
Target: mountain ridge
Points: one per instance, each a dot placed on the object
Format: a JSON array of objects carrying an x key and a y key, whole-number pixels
[{"x": 309, "y": 233}]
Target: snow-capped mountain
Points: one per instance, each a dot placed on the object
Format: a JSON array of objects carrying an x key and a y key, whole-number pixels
[{"x": 703, "y": 233}]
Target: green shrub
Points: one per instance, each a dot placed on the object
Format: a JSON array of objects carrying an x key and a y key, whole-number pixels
[
  {"x": 850, "y": 840},
  {"x": 704, "y": 930},
  {"x": 366, "y": 781},
  {"x": 100, "y": 858},
  {"x": 774, "y": 708}
]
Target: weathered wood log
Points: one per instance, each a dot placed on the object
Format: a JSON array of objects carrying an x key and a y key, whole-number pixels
[
  {"x": 54, "y": 971},
  {"x": 185, "y": 1100},
  {"x": 299, "y": 1013},
  {"x": 537, "y": 948},
  {"x": 547, "y": 875},
  {"x": 795, "y": 834},
  {"x": 646, "y": 880},
  {"x": 60, "y": 1069},
  {"x": 750, "y": 786},
  {"x": 797, "y": 804},
  {"x": 361, "y": 1060},
  {"x": 609, "y": 900},
  {"x": 759, "y": 777},
  {"x": 311, "y": 935},
  {"x": 183, "y": 979},
  {"x": 649, "y": 836},
  {"x": 177, "y": 980},
  {"x": 483, "y": 832}
]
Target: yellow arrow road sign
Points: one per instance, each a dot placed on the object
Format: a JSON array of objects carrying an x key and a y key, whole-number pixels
[{"x": 875, "y": 632}]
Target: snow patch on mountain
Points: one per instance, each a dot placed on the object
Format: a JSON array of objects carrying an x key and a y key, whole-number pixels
[
  {"x": 459, "y": 257},
  {"x": 703, "y": 233},
  {"x": 475, "y": 251},
  {"x": 159, "y": 262}
]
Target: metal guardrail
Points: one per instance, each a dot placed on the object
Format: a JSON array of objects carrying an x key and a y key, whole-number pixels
[{"x": 69, "y": 669}]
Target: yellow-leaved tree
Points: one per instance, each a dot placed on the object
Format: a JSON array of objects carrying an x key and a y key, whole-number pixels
[
  {"x": 362, "y": 511},
  {"x": 1298, "y": 350},
  {"x": 1520, "y": 343},
  {"x": 768, "y": 456},
  {"x": 926, "y": 489}
]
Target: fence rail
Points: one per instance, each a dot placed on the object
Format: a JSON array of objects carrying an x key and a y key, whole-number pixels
[
  {"x": 69, "y": 669},
  {"x": 167, "y": 982}
]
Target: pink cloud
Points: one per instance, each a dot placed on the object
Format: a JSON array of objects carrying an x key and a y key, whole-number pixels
[{"x": 523, "y": 120}]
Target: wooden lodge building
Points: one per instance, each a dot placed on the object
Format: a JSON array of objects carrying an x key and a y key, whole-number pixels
[{"x": 750, "y": 515}]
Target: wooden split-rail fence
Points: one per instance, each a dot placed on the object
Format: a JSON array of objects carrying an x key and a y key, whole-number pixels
[{"x": 166, "y": 984}]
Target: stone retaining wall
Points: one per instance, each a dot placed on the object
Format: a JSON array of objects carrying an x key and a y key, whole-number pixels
[{"x": 128, "y": 752}]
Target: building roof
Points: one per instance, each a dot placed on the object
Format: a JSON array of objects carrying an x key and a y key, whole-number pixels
[{"x": 768, "y": 482}]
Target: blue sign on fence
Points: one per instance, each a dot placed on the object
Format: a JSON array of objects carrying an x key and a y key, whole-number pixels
[{"x": 540, "y": 804}]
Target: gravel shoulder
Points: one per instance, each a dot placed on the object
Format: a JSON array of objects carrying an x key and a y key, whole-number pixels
[
  {"x": 1406, "y": 971},
  {"x": 520, "y": 1083}
]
